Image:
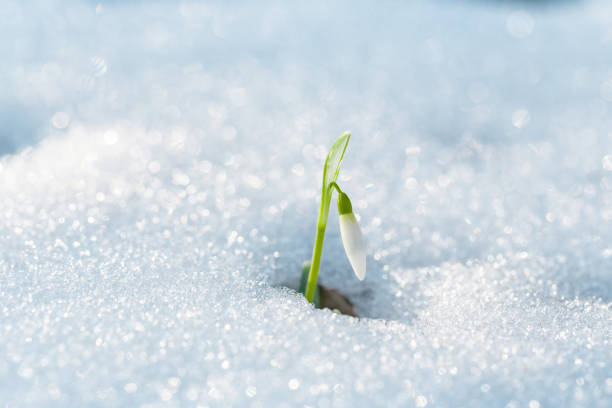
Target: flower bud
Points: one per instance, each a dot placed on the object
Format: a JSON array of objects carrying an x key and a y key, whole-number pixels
[{"x": 352, "y": 238}]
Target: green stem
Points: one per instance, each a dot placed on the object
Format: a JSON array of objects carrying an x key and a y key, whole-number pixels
[
  {"x": 315, "y": 262},
  {"x": 318, "y": 246},
  {"x": 334, "y": 185}
]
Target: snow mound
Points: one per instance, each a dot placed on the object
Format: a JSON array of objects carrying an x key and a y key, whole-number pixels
[{"x": 163, "y": 197}]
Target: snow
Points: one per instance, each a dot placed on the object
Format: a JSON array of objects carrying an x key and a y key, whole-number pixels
[{"x": 159, "y": 185}]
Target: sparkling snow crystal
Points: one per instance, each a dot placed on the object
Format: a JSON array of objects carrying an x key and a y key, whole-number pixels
[{"x": 159, "y": 182}]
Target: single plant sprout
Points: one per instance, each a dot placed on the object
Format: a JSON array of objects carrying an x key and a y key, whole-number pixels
[{"x": 352, "y": 238}]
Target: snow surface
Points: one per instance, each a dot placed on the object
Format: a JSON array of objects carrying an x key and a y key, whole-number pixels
[{"x": 159, "y": 189}]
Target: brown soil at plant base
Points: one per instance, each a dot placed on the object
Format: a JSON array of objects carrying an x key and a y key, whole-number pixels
[{"x": 334, "y": 300}]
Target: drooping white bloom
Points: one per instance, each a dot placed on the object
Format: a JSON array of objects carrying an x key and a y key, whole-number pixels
[{"x": 352, "y": 238}]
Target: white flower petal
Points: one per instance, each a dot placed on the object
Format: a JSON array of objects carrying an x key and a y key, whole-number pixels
[{"x": 352, "y": 239}]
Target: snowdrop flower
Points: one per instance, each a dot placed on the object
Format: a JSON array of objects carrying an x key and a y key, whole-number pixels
[{"x": 352, "y": 238}]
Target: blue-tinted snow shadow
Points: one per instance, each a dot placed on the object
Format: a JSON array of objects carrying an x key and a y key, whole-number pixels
[
  {"x": 394, "y": 288},
  {"x": 19, "y": 128}
]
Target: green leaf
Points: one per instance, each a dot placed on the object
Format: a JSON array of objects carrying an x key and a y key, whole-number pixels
[{"x": 330, "y": 173}]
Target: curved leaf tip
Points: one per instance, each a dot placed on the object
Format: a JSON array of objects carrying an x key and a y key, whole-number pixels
[
  {"x": 330, "y": 173},
  {"x": 334, "y": 157}
]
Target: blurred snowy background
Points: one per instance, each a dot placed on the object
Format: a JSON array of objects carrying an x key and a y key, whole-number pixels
[{"x": 160, "y": 166}]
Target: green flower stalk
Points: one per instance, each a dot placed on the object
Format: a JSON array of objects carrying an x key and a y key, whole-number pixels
[{"x": 349, "y": 229}]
